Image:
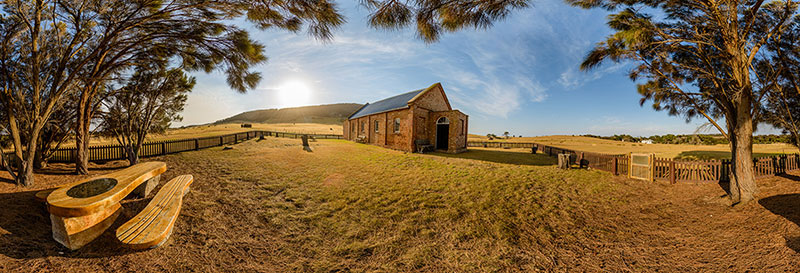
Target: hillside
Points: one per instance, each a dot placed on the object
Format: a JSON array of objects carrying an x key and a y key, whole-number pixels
[{"x": 324, "y": 114}]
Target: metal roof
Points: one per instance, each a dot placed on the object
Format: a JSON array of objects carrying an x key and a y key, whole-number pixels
[{"x": 385, "y": 105}]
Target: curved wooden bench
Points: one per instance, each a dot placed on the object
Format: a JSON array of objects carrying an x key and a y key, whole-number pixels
[
  {"x": 41, "y": 195},
  {"x": 128, "y": 179},
  {"x": 81, "y": 211},
  {"x": 153, "y": 226}
]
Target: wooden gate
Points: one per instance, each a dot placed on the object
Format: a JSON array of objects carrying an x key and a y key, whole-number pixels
[{"x": 641, "y": 167}]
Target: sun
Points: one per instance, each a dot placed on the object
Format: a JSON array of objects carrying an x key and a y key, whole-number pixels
[{"x": 294, "y": 93}]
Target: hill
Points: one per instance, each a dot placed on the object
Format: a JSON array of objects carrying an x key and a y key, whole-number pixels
[{"x": 324, "y": 114}]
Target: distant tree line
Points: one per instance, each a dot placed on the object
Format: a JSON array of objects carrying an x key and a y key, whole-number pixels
[{"x": 695, "y": 139}]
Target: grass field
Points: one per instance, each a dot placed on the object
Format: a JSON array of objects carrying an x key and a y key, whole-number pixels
[
  {"x": 679, "y": 151},
  {"x": 268, "y": 206},
  {"x": 222, "y": 129}
]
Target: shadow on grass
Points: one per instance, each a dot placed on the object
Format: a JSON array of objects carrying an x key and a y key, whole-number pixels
[
  {"x": 785, "y": 205},
  {"x": 69, "y": 168},
  {"x": 708, "y": 155},
  {"x": 790, "y": 176},
  {"x": 506, "y": 157},
  {"x": 25, "y": 231}
]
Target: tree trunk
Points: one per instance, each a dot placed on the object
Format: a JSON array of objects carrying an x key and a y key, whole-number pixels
[
  {"x": 82, "y": 136},
  {"x": 742, "y": 183},
  {"x": 38, "y": 160},
  {"x": 25, "y": 172},
  {"x": 133, "y": 155}
]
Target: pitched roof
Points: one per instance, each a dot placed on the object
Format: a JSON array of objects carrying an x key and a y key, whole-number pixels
[{"x": 385, "y": 105}]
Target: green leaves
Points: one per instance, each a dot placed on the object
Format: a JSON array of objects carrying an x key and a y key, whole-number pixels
[{"x": 432, "y": 17}]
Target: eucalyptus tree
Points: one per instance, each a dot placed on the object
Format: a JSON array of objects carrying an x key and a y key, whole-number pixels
[
  {"x": 147, "y": 102},
  {"x": 781, "y": 80},
  {"x": 696, "y": 58},
  {"x": 202, "y": 35},
  {"x": 126, "y": 30},
  {"x": 51, "y": 48}
]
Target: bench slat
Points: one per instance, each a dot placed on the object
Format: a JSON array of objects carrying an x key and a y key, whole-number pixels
[
  {"x": 153, "y": 210},
  {"x": 153, "y": 225}
]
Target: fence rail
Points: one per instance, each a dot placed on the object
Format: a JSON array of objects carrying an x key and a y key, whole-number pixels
[
  {"x": 664, "y": 169},
  {"x": 156, "y": 148}
]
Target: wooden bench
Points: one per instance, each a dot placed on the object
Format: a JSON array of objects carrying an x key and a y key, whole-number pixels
[
  {"x": 81, "y": 211},
  {"x": 423, "y": 145},
  {"x": 153, "y": 226}
]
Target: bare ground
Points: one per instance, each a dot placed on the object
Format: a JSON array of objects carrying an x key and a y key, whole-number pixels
[{"x": 269, "y": 207}]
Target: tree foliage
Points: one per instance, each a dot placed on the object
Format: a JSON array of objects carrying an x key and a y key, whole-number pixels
[
  {"x": 698, "y": 58},
  {"x": 781, "y": 68},
  {"x": 147, "y": 103},
  {"x": 52, "y": 49},
  {"x": 433, "y": 17}
]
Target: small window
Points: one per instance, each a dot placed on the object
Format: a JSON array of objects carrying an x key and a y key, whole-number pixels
[
  {"x": 376, "y": 126},
  {"x": 397, "y": 125},
  {"x": 463, "y": 129},
  {"x": 363, "y": 124}
]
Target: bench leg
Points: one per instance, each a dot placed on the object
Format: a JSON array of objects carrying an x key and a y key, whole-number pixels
[
  {"x": 145, "y": 188},
  {"x": 75, "y": 232}
]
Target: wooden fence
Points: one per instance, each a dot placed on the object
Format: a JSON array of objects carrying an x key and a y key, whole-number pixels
[
  {"x": 157, "y": 148},
  {"x": 663, "y": 169}
]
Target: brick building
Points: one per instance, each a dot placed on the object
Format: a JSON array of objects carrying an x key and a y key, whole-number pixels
[{"x": 410, "y": 120}]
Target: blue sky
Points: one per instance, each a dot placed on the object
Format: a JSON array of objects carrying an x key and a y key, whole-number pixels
[{"x": 519, "y": 76}]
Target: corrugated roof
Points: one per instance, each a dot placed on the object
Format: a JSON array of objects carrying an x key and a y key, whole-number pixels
[{"x": 385, "y": 105}]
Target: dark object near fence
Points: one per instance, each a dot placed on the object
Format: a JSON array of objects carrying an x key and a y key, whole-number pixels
[
  {"x": 564, "y": 161},
  {"x": 423, "y": 145},
  {"x": 305, "y": 144},
  {"x": 533, "y": 149},
  {"x": 247, "y": 125},
  {"x": 227, "y": 148}
]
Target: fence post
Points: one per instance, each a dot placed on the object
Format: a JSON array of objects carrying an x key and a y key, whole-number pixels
[
  {"x": 235, "y": 138},
  {"x": 196, "y": 144},
  {"x": 672, "y": 171},
  {"x": 220, "y": 140},
  {"x": 163, "y": 148},
  {"x": 580, "y": 163},
  {"x": 615, "y": 164}
]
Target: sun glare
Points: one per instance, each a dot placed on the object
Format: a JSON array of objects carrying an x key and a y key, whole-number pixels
[{"x": 294, "y": 93}]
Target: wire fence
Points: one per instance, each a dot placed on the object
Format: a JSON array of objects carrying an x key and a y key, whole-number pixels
[{"x": 157, "y": 148}]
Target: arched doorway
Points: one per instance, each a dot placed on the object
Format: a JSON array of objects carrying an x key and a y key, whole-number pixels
[{"x": 442, "y": 133}]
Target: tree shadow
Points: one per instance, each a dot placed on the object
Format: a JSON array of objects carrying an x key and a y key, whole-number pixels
[
  {"x": 7, "y": 180},
  {"x": 28, "y": 233},
  {"x": 69, "y": 168},
  {"x": 785, "y": 205},
  {"x": 790, "y": 176},
  {"x": 505, "y": 157}
]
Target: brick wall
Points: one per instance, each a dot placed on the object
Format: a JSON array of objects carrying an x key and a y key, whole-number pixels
[{"x": 457, "y": 133}]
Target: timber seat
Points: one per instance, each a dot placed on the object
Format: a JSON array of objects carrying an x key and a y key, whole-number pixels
[
  {"x": 81, "y": 211},
  {"x": 41, "y": 195},
  {"x": 153, "y": 225},
  {"x": 423, "y": 145}
]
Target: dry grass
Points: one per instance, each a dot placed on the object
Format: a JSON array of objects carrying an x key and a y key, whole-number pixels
[
  {"x": 223, "y": 129},
  {"x": 682, "y": 151},
  {"x": 270, "y": 207}
]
